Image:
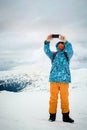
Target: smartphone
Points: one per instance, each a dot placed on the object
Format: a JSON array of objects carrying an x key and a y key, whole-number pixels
[{"x": 55, "y": 35}]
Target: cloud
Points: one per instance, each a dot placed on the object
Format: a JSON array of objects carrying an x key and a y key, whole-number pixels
[
  {"x": 25, "y": 24},
  {"x": 40, "y": 15}
]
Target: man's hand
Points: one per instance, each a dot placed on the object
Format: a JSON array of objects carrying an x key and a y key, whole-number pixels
[
  {"x": 63, "y": 38},
  {"x": 49, "y": 38}
]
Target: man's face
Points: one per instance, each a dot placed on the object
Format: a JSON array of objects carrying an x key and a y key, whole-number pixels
[{"x": 61, "y": 46}]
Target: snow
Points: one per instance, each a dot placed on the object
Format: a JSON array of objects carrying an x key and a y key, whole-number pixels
[{"x": 28, "y": 108}]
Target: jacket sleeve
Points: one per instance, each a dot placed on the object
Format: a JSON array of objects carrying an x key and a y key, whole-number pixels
[
  {"x": 47, "y": 50},
  {"x": 68, "y": 49}
]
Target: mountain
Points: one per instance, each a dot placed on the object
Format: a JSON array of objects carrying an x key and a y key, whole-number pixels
[{"x": 26, "y": 106}]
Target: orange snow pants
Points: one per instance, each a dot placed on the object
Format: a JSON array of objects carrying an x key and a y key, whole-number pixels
[{"x": 55, "y": 89}]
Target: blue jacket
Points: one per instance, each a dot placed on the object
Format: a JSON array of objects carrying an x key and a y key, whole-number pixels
[{"x": 60, "y": 71}]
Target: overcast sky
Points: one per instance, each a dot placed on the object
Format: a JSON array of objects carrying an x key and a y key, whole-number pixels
[
  {"x": 26, "y": 23},
  {"x": 41, "y": 17}
]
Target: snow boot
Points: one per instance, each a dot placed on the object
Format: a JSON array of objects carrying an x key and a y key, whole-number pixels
[
  {"x": 66, "y": 118},
  {"x": 52, "y": 117}
]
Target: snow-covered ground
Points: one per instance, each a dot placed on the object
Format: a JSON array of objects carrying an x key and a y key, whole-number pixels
[{"x": 28, "y": 108}]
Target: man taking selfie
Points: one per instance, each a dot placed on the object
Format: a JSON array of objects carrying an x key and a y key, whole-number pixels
[{"x": 59, "y": 76}]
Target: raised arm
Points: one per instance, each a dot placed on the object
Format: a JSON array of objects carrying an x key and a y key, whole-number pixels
[
  {"x": 69, "y": 49},
  {"x": 47, "y": 50},
  {"x": 68, "y": 46}
]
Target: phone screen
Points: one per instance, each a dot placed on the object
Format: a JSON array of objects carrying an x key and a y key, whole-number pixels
[{"x": 55, "y": 35}]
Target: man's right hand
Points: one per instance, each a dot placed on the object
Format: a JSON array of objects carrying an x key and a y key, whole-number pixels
[{"x": 49, "y": 38}]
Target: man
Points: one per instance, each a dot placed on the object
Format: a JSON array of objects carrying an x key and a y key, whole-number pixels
[{"x": 59, "y": 77}]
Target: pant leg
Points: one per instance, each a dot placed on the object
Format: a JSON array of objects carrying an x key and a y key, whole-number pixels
[
  {"x": 53, "y": 97},
  {"x": 64, "y": 97}
]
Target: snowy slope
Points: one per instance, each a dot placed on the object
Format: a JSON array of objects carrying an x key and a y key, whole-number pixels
[
  {"x": 16, "y": 81},
  {"x": 28, "y": 109}
]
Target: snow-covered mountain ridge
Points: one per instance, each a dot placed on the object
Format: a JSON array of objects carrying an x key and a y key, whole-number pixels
[{"x": 16, "y": 80}]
